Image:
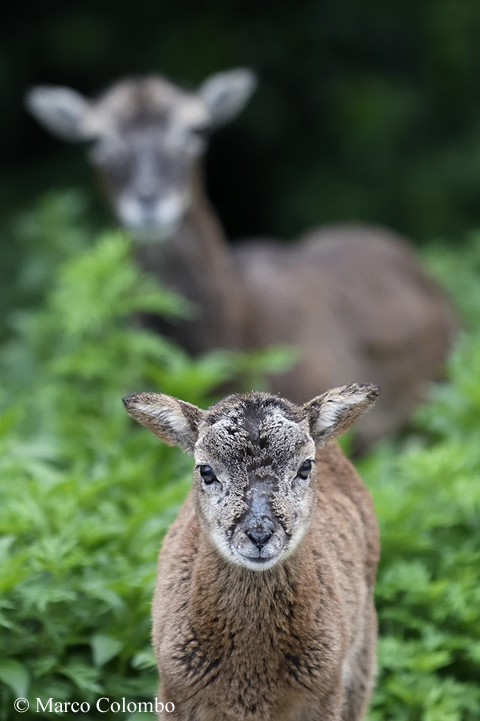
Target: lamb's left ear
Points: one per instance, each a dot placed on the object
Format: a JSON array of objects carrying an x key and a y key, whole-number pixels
[
  {"x": 174, "y": 422},
  {"x": 332, "y": 413}
]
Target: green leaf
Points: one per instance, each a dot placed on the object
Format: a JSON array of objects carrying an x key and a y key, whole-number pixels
[
  {"x": 144, "y": 660},
  {"x": 15, "y": 675},
  {"x": 104, "y": 648},
  {"x": 84, "y": 676}
]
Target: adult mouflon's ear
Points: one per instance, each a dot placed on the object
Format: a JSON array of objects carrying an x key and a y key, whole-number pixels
[
  {"x": 226, "y": 94},
  {"x": 62, "y": 111},
  {"x": 332, "y": 413},
  {"x": 174, "y": 422}
]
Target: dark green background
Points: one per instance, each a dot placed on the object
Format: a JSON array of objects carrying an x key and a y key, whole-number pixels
[{"x": 366, "y": 110}]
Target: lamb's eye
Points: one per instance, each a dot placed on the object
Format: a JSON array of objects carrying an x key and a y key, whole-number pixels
[
  {"x": 304, "y": 470},
  {"x": 207, "y": 474}
]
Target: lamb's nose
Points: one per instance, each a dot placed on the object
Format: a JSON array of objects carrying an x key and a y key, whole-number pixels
[{"x": 260, "y": 531}]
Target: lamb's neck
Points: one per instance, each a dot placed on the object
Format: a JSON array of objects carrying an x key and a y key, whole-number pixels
[
  {"x": 196, "y": 263},
  {"x": 277, "y": 598}
]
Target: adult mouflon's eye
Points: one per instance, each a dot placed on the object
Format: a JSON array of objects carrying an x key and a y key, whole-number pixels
[
  {"x": 304, "y": 470},
  {"x": 207, "y": 474}
]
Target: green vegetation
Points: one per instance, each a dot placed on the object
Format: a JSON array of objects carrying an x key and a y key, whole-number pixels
[
  {"x": 87, "y": 495},
  {"x": 428, "y": 502},
  {"x": 427, "y": 497}
]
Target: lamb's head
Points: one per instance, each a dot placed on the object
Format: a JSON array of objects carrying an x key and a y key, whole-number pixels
[
  {"x": 147, "y": 136},
  {"x": 254, "y": 477}
]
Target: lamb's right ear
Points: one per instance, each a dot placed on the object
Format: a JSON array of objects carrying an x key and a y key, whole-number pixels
[
  {"x": 60, "y": 110},
  {"x": 174, "y": 422}
]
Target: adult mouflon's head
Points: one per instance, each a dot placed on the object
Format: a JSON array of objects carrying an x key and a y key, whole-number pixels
[
  {"x": 147, "y": 135},
  {"x": 254, "y": 462}
]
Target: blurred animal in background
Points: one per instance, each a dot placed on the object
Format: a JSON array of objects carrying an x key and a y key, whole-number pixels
[{"x": 354, "y": 300}]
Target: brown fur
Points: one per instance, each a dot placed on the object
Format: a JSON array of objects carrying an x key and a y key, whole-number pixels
[
  {"x": 294, "y": 642},
  {"x": 354, "y": 300}
]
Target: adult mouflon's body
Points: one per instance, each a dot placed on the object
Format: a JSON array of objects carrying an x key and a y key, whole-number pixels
[
  {"x": 354, "y": 300},
  {"x": 263, "y": 608}
]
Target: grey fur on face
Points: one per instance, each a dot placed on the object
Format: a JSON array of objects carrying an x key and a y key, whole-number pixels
[
  {"x": 258, "y": 508},
  {"x": 256, "y": 503}
]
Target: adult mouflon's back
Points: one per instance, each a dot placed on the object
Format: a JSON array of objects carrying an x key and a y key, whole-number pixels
[{"x": 263, "y": 609}]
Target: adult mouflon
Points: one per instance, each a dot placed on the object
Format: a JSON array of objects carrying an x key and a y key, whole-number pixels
[
  {"x": 263, "y": 608},
  {"x": 353, "y": 300}
]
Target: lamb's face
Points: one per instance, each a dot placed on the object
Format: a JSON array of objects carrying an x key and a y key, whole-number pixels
[
  {"x": 255, "y": 462},
  {"x": 253, "y": 468}
]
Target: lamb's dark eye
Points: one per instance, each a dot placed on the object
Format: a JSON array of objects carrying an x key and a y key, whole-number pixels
[
  {"x": 207, "y": 474},
  {"x": 304, "y": 470}
]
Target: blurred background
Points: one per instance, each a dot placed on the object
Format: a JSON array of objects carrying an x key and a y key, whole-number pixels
[{"x": 365, "y": 110}]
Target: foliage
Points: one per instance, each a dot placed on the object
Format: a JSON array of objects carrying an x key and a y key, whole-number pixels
[
  {"x": 41, "y": 237},
  {"x": 427, "y": 498},
  {"x": 458, "y": 269},
  {"x": 428, "y": 503}
]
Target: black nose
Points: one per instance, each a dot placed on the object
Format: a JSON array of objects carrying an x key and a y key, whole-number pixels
[{"x": 260, "y": 530}]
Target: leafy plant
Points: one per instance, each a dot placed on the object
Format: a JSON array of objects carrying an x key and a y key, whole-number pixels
[{"x": 427, "y": 498}]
